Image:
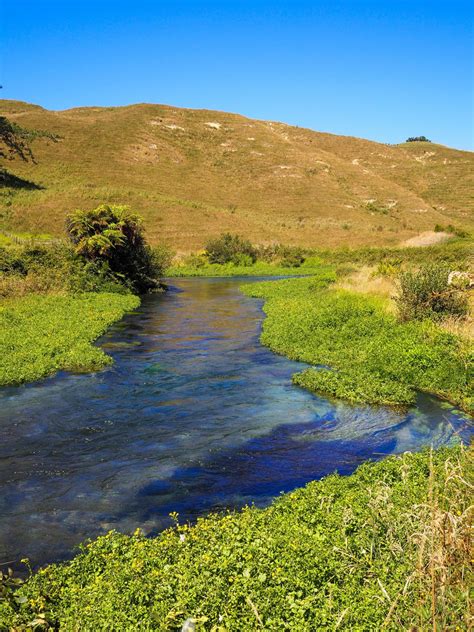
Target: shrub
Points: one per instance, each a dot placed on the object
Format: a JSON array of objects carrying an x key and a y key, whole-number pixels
[
  {"x": 269, "y": 253},
  {"x": 292, "y": 257},
  {"x": 388, "y": 268},
  {"x": 426, "y": 293},
  {"x": 242, "y": 260},
  {"x": 454, "y": 230},
  {"x": 162, "y": 258},
  {"x": 112, "y": 236},
  {"x": 227, "y": 248},
  {"x": 195, "y": 260}
]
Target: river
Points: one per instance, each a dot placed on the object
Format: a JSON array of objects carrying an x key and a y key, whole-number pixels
[{"x": 194, "y": 415}]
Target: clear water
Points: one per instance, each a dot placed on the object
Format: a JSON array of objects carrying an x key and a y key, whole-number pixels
[{"x": 194, "y": 415}]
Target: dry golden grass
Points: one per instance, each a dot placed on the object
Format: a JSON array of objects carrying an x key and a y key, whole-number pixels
[
  {"x": 193, "y": 174},
  {"x": 364, "y": 280},
  {"x": 442, "y": 534}
]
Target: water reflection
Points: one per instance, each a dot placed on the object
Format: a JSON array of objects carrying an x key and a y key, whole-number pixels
[{"x": 195, "y": 414}]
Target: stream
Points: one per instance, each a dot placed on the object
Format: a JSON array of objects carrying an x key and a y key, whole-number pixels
[{"x": 194, "y": 415}]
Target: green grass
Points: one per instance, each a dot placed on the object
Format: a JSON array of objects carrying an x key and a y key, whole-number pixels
[
  {"x": 40, "y": 334},
  {"x": 458, "y": 253},
  {"x": 385, "y": 548},
  {"x": 260, "y": 268},
  {"x": 373, "y": 358}
]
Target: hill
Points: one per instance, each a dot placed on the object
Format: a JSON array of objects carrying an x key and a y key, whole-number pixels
[{"x": 193, "y": 174}]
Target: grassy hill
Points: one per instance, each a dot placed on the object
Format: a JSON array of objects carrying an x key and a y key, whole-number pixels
[{"x": 195, "y": 173}]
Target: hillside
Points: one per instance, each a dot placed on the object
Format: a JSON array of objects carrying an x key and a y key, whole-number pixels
[{"x": 195, "y": 173}]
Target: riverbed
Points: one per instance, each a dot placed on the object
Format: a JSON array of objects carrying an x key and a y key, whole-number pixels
[{"x": 194, "y": 415}]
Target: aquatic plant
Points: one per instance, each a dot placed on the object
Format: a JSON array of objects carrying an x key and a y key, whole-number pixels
[
  {"x": 40, "y": 335},
  {"x": 385, "y": 548},
  {"x": 372, "y": 357}
]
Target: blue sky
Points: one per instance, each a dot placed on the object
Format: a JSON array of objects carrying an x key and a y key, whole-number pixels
[{"x": 376, "y": 69}]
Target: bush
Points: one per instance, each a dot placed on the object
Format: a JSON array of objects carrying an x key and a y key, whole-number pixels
[
  {"x": 112, "y": 237},
  {"x": 227, "y": 248},
  {"x": 243, "y": 260},
  {"x": 388, "y": 268},
  {"x": 162, "y": 258},
  {"x": 427, "y": 293},
  {"x": 292, "y": 257},
  {"x": 269, "y": 253},
  {"x": 454, "y": 230}
]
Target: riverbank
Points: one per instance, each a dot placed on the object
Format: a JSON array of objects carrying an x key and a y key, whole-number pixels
[
  {"x": 260, "y": 268},
  {"x": 42, "y": 334},
  {"x": 387, "y": 547},
  {"x": 360, "y": 351}
]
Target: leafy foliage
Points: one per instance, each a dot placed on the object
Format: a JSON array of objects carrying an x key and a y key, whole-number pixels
[
  {"x": 417, "y": 139},
  {"x": 16, "y": 140},
  {"x": 292, "y": 257},
  {"x": 385, "y": 548},
  {"x": 53, "y": 268},
  {"x": 230, "y": 248},
  {"x": 426, "y": 293},
  {"x": 113, "y": 236},
  {"x": 373, "y": 358},
  {"x": 40, "y": 335}
]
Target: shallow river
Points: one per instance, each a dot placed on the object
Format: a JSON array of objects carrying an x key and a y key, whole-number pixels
[{"x": 194, "y": 415}]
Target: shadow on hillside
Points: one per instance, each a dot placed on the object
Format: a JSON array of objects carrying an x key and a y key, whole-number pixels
[{"x": 8, "y": 179}]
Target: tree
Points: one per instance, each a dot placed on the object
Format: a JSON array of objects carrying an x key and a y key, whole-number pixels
[
  {"x": 418, "y": 139},
  {"x": 112, "y": 237},
  {"x": 16, "y": 140}
]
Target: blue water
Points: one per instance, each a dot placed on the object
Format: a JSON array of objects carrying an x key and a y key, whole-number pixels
[{"x": 194, "y": 415}]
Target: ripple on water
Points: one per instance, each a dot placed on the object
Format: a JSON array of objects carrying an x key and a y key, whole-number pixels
[{"x": 194, "y": 415}]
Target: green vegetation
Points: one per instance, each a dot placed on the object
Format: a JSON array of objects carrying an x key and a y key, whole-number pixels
[
  {"x": 43, "y": 334},
  {"x": 279, "y": 260},
  {"x": 372, "y": 357},
  {"x": 427, "y": 293},
  {"x": 260, "y": 268},
  {"x": 385, "y": 548},
  {"x": 417, "y": 139},
  {"x": 457, "y": 253},
  {"x": 230, "y": 255},
  {"x": 111, "y": 237},
  {"x": 59, "y": 299},
  {"x": 454, "y": 230},
  {"x": 230, "y": 248}
]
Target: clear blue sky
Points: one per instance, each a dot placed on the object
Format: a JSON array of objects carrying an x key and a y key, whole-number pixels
[{"x": 370, "y": 68}]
